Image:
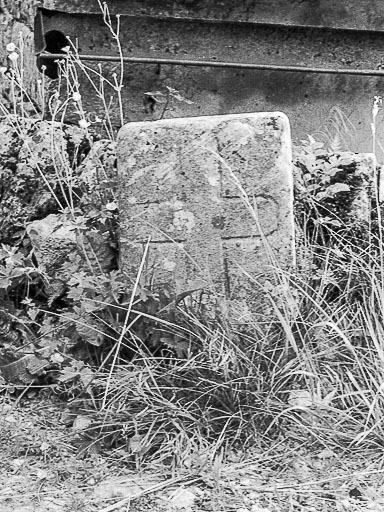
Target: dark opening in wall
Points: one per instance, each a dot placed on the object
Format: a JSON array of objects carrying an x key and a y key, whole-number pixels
[{"x": 54, "y": 42}]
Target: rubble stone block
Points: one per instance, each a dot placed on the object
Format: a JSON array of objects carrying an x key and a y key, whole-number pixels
[{"x": 214, "y": 196}]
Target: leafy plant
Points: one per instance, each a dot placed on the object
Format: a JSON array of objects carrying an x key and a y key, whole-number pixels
[
  {"x": 326, "y": 187},
  {"x": 164, "y": 99},
  {"x": 16, "y": 271},
  {"x": 69, "y": 307}
]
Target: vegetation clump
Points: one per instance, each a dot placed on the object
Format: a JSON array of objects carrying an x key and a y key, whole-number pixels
[{"x": 184, "y": 389}]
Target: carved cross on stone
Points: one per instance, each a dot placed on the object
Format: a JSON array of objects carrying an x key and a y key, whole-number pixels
[{"x": 214, "y": 194}]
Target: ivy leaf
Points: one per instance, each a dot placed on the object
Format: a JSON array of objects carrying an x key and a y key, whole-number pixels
[
  {"x": 90, "y": 330},
  {"x": 337, "y": 187},
  {"x": 5, "y": 283},
  {"x": 86, "y": 376},
  {"x": 75, "y": 293},
  {"x": 70, "y": 373},
  {"x": 328, "y": 221}
]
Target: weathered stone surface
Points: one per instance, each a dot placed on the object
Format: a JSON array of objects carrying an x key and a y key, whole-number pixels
[
  {"x": 16, "y": 26},
  {"x": 32, "y": 154},
  {"x": 361, "y": 182},
  {"x": 182, "y": 184},
  {"x": 55, "y": 240}
]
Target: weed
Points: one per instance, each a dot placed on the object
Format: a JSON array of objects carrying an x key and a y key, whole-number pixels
[
  {"x": 187, "y": 391},
  {"x": 53, "y": 298}
]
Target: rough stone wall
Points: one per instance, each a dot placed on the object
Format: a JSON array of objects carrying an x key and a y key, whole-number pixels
[
  {"x": 27, "y": 151},
  {"x": 16, "y": 25}
]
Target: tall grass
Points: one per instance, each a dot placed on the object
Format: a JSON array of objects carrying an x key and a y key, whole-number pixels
[
  {"x": 317, "y": 376},
  {"x": 314, "y": 373}
]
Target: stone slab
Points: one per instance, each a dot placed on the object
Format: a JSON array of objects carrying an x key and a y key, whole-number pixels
[{"x": 181, "y": 185}]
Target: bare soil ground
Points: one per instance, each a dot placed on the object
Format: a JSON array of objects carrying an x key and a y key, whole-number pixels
[{"x": 41, "y": 471}]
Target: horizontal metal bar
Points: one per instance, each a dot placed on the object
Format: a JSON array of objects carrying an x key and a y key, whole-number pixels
[{"x": 215, "y": 64}]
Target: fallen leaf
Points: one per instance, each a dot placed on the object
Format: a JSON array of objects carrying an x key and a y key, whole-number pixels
[
  {"x": 182, "y": 498},
  {"x": 81, "y": 423},
  {"x": 44, "y": 447}
]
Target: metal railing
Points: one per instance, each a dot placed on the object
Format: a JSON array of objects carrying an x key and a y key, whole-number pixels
[{"x": 216, "y": 64}]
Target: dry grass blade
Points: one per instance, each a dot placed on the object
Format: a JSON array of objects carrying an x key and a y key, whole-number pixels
[{"x": 126, "y": 320}]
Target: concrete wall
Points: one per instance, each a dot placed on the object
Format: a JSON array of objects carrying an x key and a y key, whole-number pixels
[
  {"x": 355, "y": 14},
  {"x": 322, "y": 33}
]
